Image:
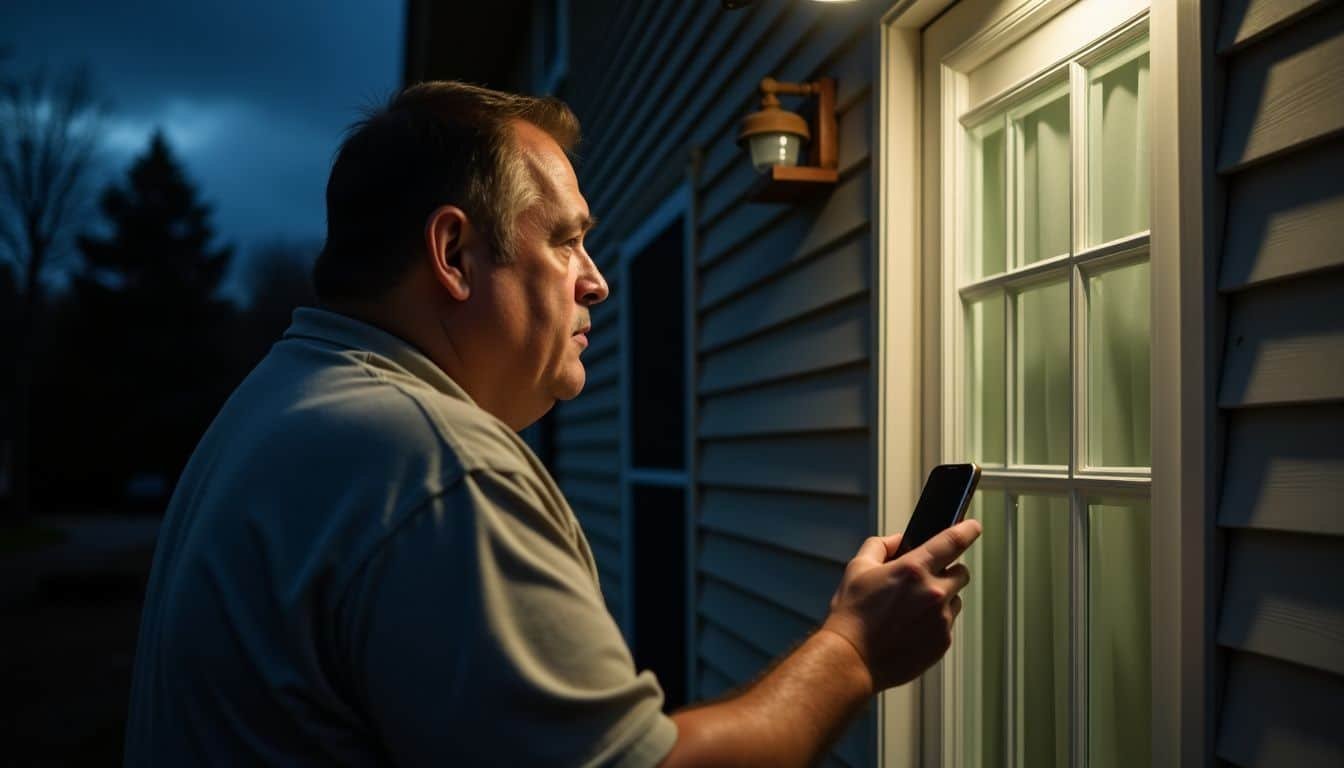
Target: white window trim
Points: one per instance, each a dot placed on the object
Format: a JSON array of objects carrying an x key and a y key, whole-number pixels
[
  {"x": 679, "y": 204},
  {"x": 1183, "y": 333}
]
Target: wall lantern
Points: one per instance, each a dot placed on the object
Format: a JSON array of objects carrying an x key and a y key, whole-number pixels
[{"x": 775, "y": 138}]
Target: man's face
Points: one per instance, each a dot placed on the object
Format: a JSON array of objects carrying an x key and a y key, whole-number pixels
[{"x": 541, "y": 300}]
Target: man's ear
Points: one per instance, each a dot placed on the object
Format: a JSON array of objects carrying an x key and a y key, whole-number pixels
[{"x": 447, "y": 235}]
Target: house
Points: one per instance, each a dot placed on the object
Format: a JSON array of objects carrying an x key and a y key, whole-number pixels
[{"x": 1092, "y": 245}]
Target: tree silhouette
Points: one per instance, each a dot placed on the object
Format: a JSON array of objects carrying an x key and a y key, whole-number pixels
[
  {"x": 148, "y": 337},
  {"x": 48, "y": 134},
  {"x": 160, "y": 246}
]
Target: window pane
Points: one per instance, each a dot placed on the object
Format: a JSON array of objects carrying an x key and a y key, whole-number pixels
[
  {"x": 1118, "y": 322},
  {"x": 1117, "y": 109},
  {"x": 982, "y": 628},
  {"x": 657, "y": 360},
  {"x": 1042, "y": 631},
  {"x": 1041, "y": 183},
  {"x": 1119, "y": 665},
  {"x": 987, "y": 224},
  {"x": 986, "y": 381},
  {"x": 1043, "y": 383}
]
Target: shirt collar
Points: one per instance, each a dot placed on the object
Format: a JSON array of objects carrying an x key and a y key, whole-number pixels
[{"x": 349, "y": 333}]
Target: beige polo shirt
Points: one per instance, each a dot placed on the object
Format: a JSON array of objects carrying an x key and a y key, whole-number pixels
[{"x": 361, "y": 566}]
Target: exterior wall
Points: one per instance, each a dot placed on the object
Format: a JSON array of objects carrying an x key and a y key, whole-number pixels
[
  {"x": 1280, "y": 169},
  {"x": 781, "y": 308}
]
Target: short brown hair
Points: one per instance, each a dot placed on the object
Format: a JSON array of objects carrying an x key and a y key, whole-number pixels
[{"x": 435, "y": 143}]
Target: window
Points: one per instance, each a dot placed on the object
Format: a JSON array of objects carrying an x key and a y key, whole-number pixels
[
  {"x": 654, "y": 476},
  {"x": 1047, "y": 363}
]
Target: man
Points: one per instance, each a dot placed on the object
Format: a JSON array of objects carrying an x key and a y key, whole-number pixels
[{"x": 363, "y": 563}]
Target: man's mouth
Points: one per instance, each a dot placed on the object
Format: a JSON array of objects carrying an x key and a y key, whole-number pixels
[{"x": 581, "y": 335}]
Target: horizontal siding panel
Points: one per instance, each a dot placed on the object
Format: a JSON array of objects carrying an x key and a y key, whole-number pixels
[
  {"x": 720, "y": 648},
  {"x": 793, "y": 51},
  {"x": 605, "y": 337},
  {"x": 822, "y": 464},
  {"x": 1285, "y": 343},
  {"x": 732, "y": 41},
  {"x": 627, "y": 59},
  {"x": 852, "y": 69},
  {"x": 1284, "y": 597},
  {"x": 611, "y": 592},
  {"x": 602, "y": 372},
  {"x": 833, "y": 337},
  {"x": 830, "y": 278},
  {"x": 852, "y": 147},
  {"x": 589, "y": 404},
  {"x": 722, "y": 96},
  {"x": 607, "y": 552},
  {"x": 1243, "y": 21},
  {"x": 730, "y": 655},
  {"x": 772, "y": 630},
  {"x": 795, "y": 583},
  {"x": 599, "y": 523},
  {"x": 1285, "y": 470},
  {"x": 1280, "y": 714},
  {"x": 1285, "y": 91},
  {"x": 730, "y": 190},
  {"x": 713, "y": 683},
  {"x": 823, "y": 526},
  {"x": 596, "y": 432},
  {"x": 853, "y": 138},
  {"x": 825, "y": 402},
  {"x": 844, "y": 212},
  {"x": 589, "y": 494},
  {"x": 589, "y": 461},
  {"x": 663, "y": 56},
  {"x": 1285, "y": 218}
]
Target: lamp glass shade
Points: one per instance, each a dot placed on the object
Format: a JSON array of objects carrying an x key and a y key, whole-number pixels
[{"x": 770, "y": 149}]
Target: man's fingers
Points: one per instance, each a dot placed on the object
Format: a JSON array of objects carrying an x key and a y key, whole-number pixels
[
  {"x": 941, "y": 550},
  {"x": 955, "y": 578},
  {"x": 893, "y": 543},
  {"x": 873, "y": 549},
  {"x": 954, "y": 605}
]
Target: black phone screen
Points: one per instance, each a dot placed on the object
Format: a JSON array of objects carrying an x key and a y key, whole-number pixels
[{"x": 942, "y": 504}]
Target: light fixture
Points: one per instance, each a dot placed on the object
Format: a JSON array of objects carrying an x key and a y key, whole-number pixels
[{"x": 774, "y": 137}]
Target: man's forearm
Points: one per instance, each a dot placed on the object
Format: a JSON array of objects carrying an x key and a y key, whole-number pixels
[{"x": 786, "y": 718}]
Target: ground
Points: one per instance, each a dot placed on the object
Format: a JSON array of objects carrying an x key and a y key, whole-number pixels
[{"x": 69, "y": 613}]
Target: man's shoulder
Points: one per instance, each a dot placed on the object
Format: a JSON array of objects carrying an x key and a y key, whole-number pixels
[{"x": 365, "y": 400}]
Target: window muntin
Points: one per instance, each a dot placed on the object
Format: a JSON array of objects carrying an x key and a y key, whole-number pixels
[{"x": 1052, "y": 399}]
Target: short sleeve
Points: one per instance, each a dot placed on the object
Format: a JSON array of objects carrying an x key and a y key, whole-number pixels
[{"x": 477, "y": 636}]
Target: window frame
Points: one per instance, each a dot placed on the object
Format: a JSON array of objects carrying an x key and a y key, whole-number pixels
[
  {"x": 680, "y": 204},
  {"x": 1183, "y": 330}
]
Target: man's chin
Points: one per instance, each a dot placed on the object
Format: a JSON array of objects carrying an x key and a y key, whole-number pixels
[{"x": 569, "y": 386}]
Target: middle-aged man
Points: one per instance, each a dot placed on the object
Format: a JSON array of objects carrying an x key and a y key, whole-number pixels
[{"x": 363, "y": 564}]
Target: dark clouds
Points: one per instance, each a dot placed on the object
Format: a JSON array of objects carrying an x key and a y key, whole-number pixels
[{"x": 253, "y": 94}]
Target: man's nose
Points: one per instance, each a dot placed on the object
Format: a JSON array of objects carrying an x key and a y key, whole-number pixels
[{"x": 592, "y": 286}]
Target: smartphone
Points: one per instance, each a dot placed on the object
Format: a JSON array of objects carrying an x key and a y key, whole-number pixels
[{"x": 947, "y": 493}]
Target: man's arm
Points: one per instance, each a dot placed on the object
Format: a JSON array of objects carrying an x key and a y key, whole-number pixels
[{"x": 889, "y": 622}]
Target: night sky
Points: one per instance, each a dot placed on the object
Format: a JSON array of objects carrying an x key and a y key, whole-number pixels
[{"x": 254, "y": 95}]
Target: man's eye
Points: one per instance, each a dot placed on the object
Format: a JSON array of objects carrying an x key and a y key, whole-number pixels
[{"x": 574, "y": 242}]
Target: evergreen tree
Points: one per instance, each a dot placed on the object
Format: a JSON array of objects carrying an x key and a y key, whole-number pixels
[
  {"x": 148, "y": 345},
  {"x": 160, "y": 247}
]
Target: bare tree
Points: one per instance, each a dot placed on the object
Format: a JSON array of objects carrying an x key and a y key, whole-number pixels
[{"x": 48, "y": 134}]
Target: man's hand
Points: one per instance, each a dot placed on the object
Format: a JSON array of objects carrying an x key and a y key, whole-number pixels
[{"x": 898, "y": 614}]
